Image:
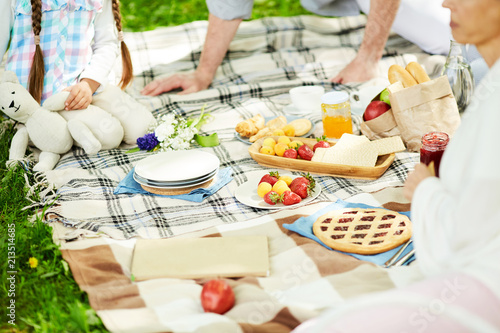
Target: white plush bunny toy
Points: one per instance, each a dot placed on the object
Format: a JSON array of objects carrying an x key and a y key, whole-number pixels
[
  {"x": 47, "y": 130},
  {"x": 113, "y": 117},
  {"x": 92, "y": 128}
]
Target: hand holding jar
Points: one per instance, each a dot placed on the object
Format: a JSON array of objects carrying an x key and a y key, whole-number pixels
[
  {"x": 432, "y": 149},
  {"x": 433, "y": 146}
]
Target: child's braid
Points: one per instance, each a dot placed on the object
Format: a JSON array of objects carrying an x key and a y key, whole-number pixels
[
  {"x": 127, "y": 70},
  {"x": 37, "y": 71}
]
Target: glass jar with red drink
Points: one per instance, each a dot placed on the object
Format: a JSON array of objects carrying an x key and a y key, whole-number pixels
[{"x": 433, "y": 146}]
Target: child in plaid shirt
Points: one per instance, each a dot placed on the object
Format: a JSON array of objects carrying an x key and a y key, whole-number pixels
[{"x": 60, "y": 45}]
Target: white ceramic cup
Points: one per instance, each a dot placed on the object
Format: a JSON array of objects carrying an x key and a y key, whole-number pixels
[
  {"x": 360, "y": 99},
  {"x": 307, "y": 98}
]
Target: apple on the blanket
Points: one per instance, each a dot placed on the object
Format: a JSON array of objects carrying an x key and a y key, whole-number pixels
[
  {"x": 217, "y": 296},
  {"x": 375, "y": 109}
]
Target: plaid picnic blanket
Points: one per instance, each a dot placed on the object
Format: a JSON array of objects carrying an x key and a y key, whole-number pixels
[
  {"x": 267, "y": 58},
  {"x": 305, "y": 279},
  {"x": 97, "y": 229}
]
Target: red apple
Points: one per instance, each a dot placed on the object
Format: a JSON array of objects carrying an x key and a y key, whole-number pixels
[
  {"x": 375, "y": 109},
  {"x": 217, "y": 296}
]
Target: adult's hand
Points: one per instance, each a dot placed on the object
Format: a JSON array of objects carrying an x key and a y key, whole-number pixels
[
  {"x": 189, "y": 83},
  {"x": 378, "y": 25},
  {"x": 356, "y": 71},
  {"x": 415, "y": 177},
  {"x": 220, "y": 33}
]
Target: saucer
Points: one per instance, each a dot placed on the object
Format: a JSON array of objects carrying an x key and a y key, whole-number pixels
[{"x": 292, "y": 109}]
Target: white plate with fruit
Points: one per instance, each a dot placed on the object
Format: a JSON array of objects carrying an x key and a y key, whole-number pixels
[{"x": 271, "y": 191}]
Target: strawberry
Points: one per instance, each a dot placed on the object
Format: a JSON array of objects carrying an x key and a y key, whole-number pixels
[
  {"x": 305, "y": 152},
  {"x": 321, "y": 143},
  {"x": 290, "y": 153},
  {"x": 303, "y": 186},
  {"x": 270, "y": 178},
  {"x": 272, "y": 197},
  {"x": 290, "y": 198},
  {"x": 300, "y": 189}
]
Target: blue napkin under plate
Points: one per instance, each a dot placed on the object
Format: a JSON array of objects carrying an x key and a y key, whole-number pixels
[
  {"x": 128, "y": 185},
  {"x": 304, "y": 227}
]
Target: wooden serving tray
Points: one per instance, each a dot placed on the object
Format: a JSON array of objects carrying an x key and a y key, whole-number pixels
[{"x": 319, "y": 168}]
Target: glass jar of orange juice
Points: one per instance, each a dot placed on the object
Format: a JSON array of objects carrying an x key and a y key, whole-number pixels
[{"x": 336, "y": 114}]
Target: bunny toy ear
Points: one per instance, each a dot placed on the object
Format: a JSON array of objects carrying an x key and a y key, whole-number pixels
[{"x": 9, "y": 76}]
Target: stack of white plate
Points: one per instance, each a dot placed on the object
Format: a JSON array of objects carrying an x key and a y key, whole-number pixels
[{"x": 177, "y": 169}]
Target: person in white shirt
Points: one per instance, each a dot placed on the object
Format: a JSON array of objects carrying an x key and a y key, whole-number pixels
[
  {"x": 456, "y": 218},
  {"x": 423, "y": 22},
  {"x": 63, "y": 45}
]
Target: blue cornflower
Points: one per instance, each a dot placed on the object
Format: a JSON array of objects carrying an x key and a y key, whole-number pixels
[{"x": 147, "y": 142}]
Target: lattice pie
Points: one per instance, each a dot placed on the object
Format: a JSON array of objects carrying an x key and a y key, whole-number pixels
[{"x": 363, "y": 231}]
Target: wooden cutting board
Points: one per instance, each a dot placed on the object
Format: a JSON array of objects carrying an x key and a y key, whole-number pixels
[
  {"x": 319, "y": 168},
  {"x": 191, "y": 258}
]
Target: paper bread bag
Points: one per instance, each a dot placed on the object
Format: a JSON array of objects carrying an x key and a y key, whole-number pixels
[
  {"x": 425, "y": 107},
  {"x": 384, "y": 126}
]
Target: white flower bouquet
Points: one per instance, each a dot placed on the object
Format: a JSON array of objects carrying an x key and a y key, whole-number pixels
[{"x": 173, "y": 132}]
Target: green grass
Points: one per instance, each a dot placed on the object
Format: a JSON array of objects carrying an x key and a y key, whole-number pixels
[
  {"x": 139, "y": 16},
  {"x": 47, "y": 299}
]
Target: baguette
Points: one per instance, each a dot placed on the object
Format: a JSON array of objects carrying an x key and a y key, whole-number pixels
[
  {"x": 418, "y": 72},
  {"x": 398, "y": 73}
]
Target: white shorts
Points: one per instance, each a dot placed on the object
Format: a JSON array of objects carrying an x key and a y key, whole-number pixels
[{"x": 423, "y": 22}]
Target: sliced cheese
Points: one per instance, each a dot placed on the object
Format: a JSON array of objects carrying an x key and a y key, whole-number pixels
[
  {"x": 388, "y": 145},
  {"x": 350, "y": 140},
  {"x": 359, "y": 155},
  {"x": 318, "y": 154},
  {"x": 352, "y": 150},
  {"x": 358, "y": 150}
]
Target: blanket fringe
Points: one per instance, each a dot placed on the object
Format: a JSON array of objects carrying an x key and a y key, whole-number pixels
[
  {"x": 81, "y": 229},
  {"x": 39, "y": 191}
]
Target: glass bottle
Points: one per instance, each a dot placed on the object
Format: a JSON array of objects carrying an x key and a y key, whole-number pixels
[
  {"x": 336, "y": 110},
  {"x": 432, "y": 149},
  {"x": 459, "y": 73}
]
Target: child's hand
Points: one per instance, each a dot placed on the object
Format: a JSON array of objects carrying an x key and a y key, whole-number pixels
[{"x": 80, "y": 95}]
